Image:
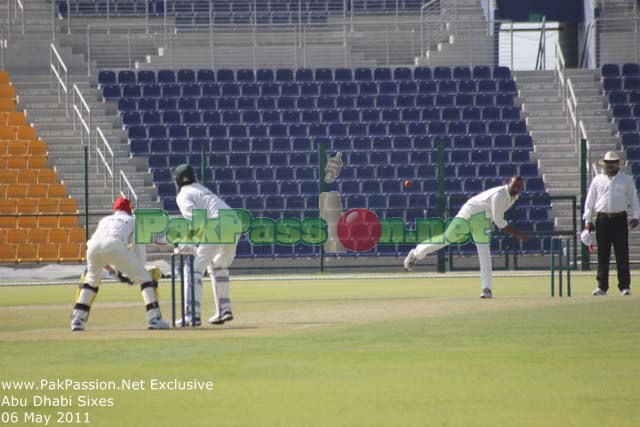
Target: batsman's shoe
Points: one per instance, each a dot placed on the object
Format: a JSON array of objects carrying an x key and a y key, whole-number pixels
[
  {"x": 158, "y": 323},
  {"x": 227, "y": 316},
  {"x": 187, "y": 321},
  {"x": 410, "y": 260},
  {"x": 597, "y": 292},
  {"x": 77, "y": 324},
  {"x": 486, "y": 294},
  {"x": 625, "y": 292}
]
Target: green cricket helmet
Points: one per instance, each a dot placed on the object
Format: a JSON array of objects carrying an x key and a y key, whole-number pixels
[{"x": 184, "y": 175}]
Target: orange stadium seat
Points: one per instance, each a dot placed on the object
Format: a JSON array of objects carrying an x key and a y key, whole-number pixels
[
  {"x": 27, "y": 221},
  {"x": 3, "y": 235},
  {"x": 8, "y": 176},
  {"x": 7, "y": 91},
  {"x": 56, "y": 190},
  {"x": 8, "y": 221},
  {"x": 16, "y": 148},
  {"x": 3, "y": 146},
  {"x": 76, "y": 235},
  {"x": 68, "y": 205},
  {"x": 48, "y": 206},
  {"x": 3, "y": 162},
  {"x": 7, "y": 253},
  {"x": 16, "y": 118},
  {"x": 48, "y": 221},
  {"x": 7, "y": 206},
  {"x": 35, "y": 235},
  {"x": 17, "y": 162},
  {"x": 8, "y": 132},
  {"x": 36, "y": 190},
  {"x": 7, "y": 105},
  {"x": 3, "y": 191},
  {"x": 16, "y": 235},
  {"x": 58, "y": 235},
  {"x": 27, "y": 207},
  {"x": 28, "y": 176},
  {"x": 83, "y": 253},
  {"x": 26, "y": 132},
  {"x": 70, "y": 252},
  {"x": 16, "y": 191},
  {"x": 37, "y": 147},
  {"x": 26, "y": 252},
  {"x": 47, "y": 252},
  {"x": 37, "y": 162},
  {"x": 68, "y": 221},
  {"x": 47, "y": 176},
  {"x": 4, "y": 77}
]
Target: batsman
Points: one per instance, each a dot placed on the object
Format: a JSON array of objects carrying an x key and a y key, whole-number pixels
[{"x": 217, "y": 258}]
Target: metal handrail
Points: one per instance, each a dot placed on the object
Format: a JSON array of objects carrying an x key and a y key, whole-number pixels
[
  {"x": 541, "y": 61},
  {"x": 57, "y": 67},
  {"x": 588, "y": 33},
  {"x": 19, "y": 5},
  {"x": 582, "y": 134},
  {"x": 130, "y": 191},
  {"x": 572, "y": 108},
  {"x": 101, "y": 159},
  {"x": 3, "y": 46},
  {"x": 80, "y": 107}
]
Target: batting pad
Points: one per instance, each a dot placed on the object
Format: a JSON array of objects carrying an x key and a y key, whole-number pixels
[{"x": 331, "y": 211}]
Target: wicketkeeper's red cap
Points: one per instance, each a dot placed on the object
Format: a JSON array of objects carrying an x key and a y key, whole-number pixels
[{"x": 122, "y": 204}]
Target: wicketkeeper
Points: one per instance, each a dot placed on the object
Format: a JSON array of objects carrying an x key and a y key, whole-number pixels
[
  {"x": 217, "y": 258},
  {"x": 113, "y": 244}
]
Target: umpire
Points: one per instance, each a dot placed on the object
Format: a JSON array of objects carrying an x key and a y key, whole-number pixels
[{"x": 611, "y": 196}]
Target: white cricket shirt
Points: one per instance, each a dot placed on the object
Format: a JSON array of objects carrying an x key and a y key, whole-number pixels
[
  {"x": 612, "y": 195},
  {"x": 119, "y": 226},
  {"x": 197, "y": 196},
  {"x": 494, "y": 201}
]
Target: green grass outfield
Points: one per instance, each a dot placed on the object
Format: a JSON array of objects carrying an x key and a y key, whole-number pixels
[{"x": 351, "y": 352}]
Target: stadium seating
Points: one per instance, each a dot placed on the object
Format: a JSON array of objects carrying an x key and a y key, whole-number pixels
[
  {"x": 260, "y": 132},
  {"x": 621, "y": 85},
  {"x": 31, "y": 197}
]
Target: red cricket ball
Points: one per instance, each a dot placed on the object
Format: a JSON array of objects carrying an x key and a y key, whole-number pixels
[
  {"x": 407, "y": 183},
  {"x": 359, "y": 229}
]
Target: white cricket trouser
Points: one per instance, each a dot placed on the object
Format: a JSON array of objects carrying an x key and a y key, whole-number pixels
[
  {"x": 217, "y": 259},
  {"x": 484, "y": 253},
  {"x": 116, "y": 253}
]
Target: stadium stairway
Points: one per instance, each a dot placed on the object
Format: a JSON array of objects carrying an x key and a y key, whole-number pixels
[
  {"x": 616, "y": 30},
  {"x": 466, "y": 39},
  {"x": 554, "y": 145},
  {"x": 40, "y": 102}
]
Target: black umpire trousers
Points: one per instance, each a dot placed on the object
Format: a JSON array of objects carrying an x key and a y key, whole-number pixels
[{"x": 613, "y": 230}]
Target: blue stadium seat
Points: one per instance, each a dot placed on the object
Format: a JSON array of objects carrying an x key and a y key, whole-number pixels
[
  {"x": 501, "y": 73},
  {"x": 442, "y": 73},
  {"x": 610, "y": 70},
  {"x": 631, "y": 69},
  {"x": 481, "y": 72}
]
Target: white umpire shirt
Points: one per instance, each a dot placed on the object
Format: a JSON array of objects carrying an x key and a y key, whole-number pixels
[
  {"x": 197, "y": 196},
  {"x": 612, "y": 195},
  {"x": 494, "y": 201}
]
